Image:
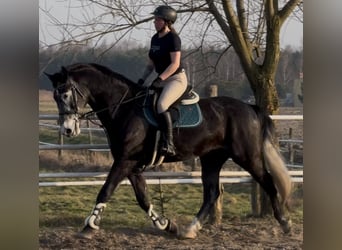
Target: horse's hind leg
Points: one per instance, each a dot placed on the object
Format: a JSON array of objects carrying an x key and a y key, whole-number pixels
[
  {"x": 140, "y": 188},
  {"x": 257, "y": 168},
  {"x": 211, "y": 166}
]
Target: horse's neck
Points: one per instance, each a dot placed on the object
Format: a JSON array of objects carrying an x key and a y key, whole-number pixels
[
  {"x": 107, "y": 98},
  {"x": 110, "y": 107}
]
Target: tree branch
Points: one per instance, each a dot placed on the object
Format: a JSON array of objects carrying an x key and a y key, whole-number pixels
[
  {"x": 241, "y": 11},
  {"x": 288, "y": 9},
  {"x": 219, "y": 19}
]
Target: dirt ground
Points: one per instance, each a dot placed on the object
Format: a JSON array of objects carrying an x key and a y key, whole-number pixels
[{"x": 252, "y": 233}]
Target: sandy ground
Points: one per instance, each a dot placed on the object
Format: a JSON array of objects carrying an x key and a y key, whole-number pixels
[{"x": 251, "y": 233}]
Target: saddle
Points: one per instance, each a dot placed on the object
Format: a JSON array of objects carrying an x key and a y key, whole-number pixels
[{"x": 185, "y": 112}]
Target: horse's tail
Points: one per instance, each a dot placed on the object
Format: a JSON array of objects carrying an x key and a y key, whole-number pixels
[{"x": 273, "y": 160}]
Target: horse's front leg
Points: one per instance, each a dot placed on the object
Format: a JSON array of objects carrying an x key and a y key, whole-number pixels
[
  {"x": 140, "y": 188},
  {"x": 119, "y": 171}
]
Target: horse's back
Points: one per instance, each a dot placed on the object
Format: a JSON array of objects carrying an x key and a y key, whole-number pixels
[
  {"x": 225, "y": 107},
  {"x": 240, "y": 123}
]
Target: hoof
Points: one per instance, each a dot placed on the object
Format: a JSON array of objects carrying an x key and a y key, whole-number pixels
[
  {"x": 287, "y": 227},
  {"x": 187, "y": 234},
  {"x": 172, "y": 228},
  {"x": 86, "y": 233}
]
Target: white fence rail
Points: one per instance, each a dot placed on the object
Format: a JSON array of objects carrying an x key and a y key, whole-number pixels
[
  {"x": 151, "y": 177},
  {"x": 157, "y": 178}
]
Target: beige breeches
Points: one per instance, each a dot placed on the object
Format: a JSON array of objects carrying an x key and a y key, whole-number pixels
[{"x": 173, "y": 88}]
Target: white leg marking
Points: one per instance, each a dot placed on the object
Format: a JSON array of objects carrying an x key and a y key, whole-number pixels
[{"x": 191, "y": 231}]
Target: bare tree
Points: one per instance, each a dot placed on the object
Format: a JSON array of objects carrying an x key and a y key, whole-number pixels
[{"x": 251, "y": 27}]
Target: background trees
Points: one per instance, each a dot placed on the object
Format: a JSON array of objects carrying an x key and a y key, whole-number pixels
[
  {"x": 203, "y": 68},
  {"x": 251, "y": 28}
]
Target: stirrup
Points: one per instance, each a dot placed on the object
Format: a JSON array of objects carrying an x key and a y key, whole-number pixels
[{"x": 168, "y": 150}]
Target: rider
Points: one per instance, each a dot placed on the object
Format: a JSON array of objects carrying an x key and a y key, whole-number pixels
[{"x": 165, "y": 59}]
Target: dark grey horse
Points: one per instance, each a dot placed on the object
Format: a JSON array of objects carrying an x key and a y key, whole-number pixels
[{"x": 230, "y": 129}]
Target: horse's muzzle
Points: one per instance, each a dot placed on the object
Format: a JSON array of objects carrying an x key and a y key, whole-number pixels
[{"x": 71, "y": 126}]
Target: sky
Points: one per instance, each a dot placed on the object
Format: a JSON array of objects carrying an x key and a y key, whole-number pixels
[{"x": 291, "y": 32}]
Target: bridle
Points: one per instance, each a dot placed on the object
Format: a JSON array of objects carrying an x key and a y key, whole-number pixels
[{"x": 75, "y": 92}]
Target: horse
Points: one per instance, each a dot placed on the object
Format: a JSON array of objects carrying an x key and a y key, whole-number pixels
[{"x": 230, "y": 128}]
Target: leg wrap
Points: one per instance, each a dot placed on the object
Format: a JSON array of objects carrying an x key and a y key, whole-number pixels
[
  {"x": 93, "y": 220},
  {"x": 160, "y": 223}
]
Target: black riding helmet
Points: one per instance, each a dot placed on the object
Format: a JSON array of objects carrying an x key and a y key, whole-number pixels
[{"x": 166, "y": 12}]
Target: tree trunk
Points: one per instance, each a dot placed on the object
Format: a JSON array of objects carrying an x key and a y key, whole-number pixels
[{"x": 266, "y": 95}]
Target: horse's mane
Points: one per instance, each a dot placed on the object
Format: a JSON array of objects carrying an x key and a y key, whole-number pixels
[{"x": 103, "y": 69}]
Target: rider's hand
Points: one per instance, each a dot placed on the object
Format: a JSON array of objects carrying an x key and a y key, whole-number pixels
[
  {"x": 156, "y": 83},
  {"x": 141, "y": 82}
]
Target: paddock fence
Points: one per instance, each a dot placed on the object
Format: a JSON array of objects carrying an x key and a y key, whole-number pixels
[{"x": 193, "y": 177}]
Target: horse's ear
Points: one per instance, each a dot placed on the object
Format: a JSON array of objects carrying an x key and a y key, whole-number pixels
[
  {"x": 64, "y": 72},
  {"x": 53, "y": 78},
  {"x": 48, "y": 75}
]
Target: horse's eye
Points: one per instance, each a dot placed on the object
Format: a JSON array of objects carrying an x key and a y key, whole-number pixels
[{"x": 65, "y": 96}]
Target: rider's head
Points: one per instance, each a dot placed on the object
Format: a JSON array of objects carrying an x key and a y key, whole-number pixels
[{"x": 164, "y": 16}]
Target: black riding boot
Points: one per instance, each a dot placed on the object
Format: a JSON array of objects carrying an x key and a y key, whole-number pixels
[{"x": 166, "y": 127}]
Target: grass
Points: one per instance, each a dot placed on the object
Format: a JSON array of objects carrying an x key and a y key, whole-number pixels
[
  {"x": 52, "y": 136},
  {"x": 69, "y": 206}
]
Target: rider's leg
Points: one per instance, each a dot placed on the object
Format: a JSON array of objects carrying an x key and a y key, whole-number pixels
[
  {"x": 173, "y": 89},
  {"x": 167, "y": 129}
]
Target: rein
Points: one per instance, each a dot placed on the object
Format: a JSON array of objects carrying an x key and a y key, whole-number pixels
[{"x": 116, "y": 105}]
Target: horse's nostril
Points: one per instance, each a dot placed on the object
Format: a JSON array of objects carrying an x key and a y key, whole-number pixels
[{"x": 68, "y": 131}]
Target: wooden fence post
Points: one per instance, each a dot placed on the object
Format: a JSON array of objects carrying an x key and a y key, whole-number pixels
[
  {"x": 194, "y": 164},
  {"x": 60, "y": 142},
  {"x": 290, "y": 148},
  {"x": 213, "y": 90},
  {"x": 266, "y": 207},
  {"x": 90, "y": 137}
]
